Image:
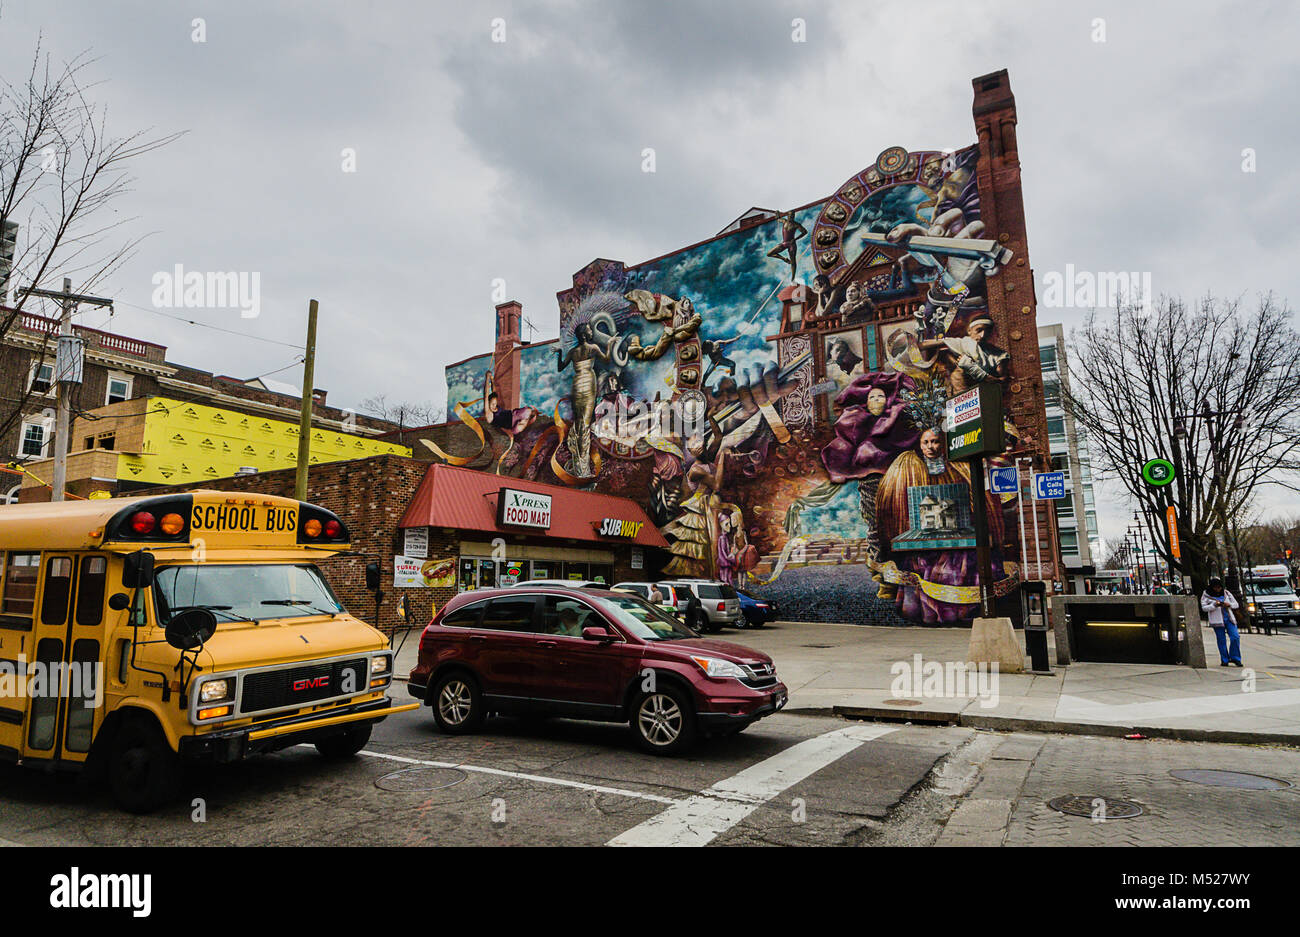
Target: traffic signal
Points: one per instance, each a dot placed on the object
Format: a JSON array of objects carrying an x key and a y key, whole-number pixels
[{"x": 1288, "y": 553}]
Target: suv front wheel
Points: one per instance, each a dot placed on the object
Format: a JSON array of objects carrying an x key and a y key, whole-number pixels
[{"x": 663, "y": 721}]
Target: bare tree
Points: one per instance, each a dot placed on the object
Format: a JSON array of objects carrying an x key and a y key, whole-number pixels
[
  {"x": 405, "y": 414},
  {"x": 1211, "y": 389},
  {"x": 60, "y": 173}
]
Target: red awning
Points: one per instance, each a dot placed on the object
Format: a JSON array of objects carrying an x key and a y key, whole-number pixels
[{"x": 464, "y": 499}]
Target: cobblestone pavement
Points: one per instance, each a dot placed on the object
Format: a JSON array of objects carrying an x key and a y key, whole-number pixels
[{"x": 1177, "y": 812}]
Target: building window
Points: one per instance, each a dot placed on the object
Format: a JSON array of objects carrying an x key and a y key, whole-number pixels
[
  {"x": 1056, "y": 428},
  {"x": 119, "y": 388},
  {"x": 1051, "y": 392},
  {"x": 1069, "y": 543},
  {"x": 33, "y": 443},
  {"x": 42, "y": 377},
  {"x": 1047, "y": 357},
  {"x": 107, "y": 441}
]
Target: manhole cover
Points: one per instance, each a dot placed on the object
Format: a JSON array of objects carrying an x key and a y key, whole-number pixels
[
  {"x": 1094, "y": 805},
  {"x": 902, "y": 702},
  {"x": 420, "y": 778},
  {"x": 1237, "y": 779}
]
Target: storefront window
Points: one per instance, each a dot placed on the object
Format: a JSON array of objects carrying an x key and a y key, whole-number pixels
[
  {"x": 541, "y": 570},
  {"x": 576, "y": 571},
  {"x": 487, "y": 574},
  {"x": 467, "y": 578}
]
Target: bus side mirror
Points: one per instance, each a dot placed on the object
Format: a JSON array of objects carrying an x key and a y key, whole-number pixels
[
  {"x": 191, "y": 628},
  {"x": 372, "y": 576},
  {"x": 137, "y": 570},
  {"x": 118, "y": 601}
]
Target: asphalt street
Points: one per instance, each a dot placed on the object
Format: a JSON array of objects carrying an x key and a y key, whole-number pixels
[{"x": 790, "y": 779}]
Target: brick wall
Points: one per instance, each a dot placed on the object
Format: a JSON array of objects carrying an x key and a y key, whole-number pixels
[{"x": 370, "y": 496}]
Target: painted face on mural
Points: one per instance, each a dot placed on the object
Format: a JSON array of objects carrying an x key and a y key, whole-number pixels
[
  {"x": 931, "y": 444},
  {"x": 876, "y": 400}
]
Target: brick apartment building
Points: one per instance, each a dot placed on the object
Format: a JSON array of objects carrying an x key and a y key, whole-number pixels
[{"x": 119, "y": 369}]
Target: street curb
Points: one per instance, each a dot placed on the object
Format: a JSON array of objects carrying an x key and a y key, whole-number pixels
[{"x": 1013, "y": 724}]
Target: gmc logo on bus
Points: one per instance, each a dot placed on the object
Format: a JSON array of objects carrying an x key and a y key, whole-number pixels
[{"x": 310, "y": 683}]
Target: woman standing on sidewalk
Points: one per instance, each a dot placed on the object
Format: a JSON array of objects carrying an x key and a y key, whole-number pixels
[{"x": 1217, "y": 604}]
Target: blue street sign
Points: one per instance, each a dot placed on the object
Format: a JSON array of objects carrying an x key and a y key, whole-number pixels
[
  {"x": 1049, "y": 486},
  {"x": 1004, "y": 480}
]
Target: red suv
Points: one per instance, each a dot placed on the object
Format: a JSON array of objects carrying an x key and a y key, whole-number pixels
[{"x": 588, "y": 654}]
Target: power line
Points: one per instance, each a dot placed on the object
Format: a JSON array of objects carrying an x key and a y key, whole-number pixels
[{"x": 204, "y": 325}]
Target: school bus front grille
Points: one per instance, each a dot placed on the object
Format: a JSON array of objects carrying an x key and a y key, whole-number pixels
[{"x": 293, "y": 686}]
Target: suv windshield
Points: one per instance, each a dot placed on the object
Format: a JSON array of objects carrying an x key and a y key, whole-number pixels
[
  {"x": 244, "y": 593},
  {"x": 644, "y": 620}
]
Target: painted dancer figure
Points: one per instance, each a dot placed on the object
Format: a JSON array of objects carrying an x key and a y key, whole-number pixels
[
  {"x": 583, "y": 357},
  {"x": 788, "y": 249}
]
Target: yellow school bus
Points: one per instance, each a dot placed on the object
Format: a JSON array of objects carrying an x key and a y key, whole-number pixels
[{"x": 138, "y": 635}]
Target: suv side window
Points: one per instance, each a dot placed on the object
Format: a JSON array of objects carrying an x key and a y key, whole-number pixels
[
  {"x": 464, "y": 617},
  {"x": 567, "y": 617},
  {"x": 638, "y": 589},
  {"x": 511, "y": 614}
]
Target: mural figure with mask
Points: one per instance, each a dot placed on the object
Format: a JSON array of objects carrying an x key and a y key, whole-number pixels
[{"x": 930, "y": 573}]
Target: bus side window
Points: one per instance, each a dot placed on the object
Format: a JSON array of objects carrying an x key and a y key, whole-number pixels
[
  {"x": 139, "y": 617},
  {"x": 90, "y": 590},
  {"x": 58, "y": 589},
  {"x": 21, "y": 571}
]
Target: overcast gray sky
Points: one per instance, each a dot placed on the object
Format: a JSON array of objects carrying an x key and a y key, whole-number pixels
[{"x": 521, "y": 159}]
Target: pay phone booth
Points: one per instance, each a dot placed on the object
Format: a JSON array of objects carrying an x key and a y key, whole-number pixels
[
  {"x": 1128, "y": 629},
  {"x": 1034, "y": 604}
]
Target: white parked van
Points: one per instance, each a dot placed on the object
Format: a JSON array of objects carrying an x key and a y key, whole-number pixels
[{"x": 1268, "y": 591}]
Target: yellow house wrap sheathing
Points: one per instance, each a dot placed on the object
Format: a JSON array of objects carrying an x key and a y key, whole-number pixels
[{"x": 189, "y": 441}]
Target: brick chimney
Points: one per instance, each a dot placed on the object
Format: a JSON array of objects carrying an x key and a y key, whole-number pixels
[{"x": 505, "y": 358}]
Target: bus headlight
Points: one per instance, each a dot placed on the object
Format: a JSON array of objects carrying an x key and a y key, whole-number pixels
[
  {"x": 379, "y": 664},
  {"x": 211, "y": 691}
]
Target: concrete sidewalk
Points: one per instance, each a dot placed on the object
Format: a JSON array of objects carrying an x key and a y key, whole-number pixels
[{"x": 854, "y": 670}]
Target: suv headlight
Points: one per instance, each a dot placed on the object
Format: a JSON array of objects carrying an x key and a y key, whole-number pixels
[
  {"x": 211, "y": 691},
  {"x": 720, "y": 668}
]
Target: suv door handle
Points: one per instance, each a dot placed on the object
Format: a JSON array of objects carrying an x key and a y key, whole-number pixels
[
  {"x": 546, "y": 644},
  {"x": 477, "y": 638}
]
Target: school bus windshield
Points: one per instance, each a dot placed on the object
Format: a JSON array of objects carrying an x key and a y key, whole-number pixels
[{"x": 245, "y": 593}]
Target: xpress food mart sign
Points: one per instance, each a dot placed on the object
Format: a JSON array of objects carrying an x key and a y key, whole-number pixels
[{"x": 523, "y": 509}]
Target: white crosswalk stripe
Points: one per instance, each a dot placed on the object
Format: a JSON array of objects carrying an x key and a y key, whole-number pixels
[{"x": 699, "y": 820}]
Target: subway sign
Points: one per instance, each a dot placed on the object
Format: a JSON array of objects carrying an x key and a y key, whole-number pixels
[
  {"x": 517, "y": 508},
  {"x": 974, "y": 422},
  {"x": 617, "y": 527}
]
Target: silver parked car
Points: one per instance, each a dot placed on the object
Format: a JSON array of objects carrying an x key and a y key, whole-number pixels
[{"x": 705, "y": 604}]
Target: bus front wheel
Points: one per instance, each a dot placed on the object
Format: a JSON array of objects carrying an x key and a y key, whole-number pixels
[
  {"x": 345, "y": 744},
  {"x": 143, "y": 772}
]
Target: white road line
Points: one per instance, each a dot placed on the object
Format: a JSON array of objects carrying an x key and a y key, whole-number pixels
[
  {"x": 698, "y": 820},
  {"x": 580, "y": 785}
]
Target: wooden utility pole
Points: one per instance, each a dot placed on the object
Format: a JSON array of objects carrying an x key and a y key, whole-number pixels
[
  {"x": 67, "y": 373},
  {"x": 304, "y": 427}
]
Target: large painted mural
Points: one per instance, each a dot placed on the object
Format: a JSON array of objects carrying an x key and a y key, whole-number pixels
[{"x": 775, "y": 395}]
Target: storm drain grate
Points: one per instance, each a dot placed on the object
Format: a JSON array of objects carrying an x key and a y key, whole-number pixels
[
  {"x": 1238, "y": 779},
  {"x": 1094, "y": 805},
  {"x": 420, "y": 778}
]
